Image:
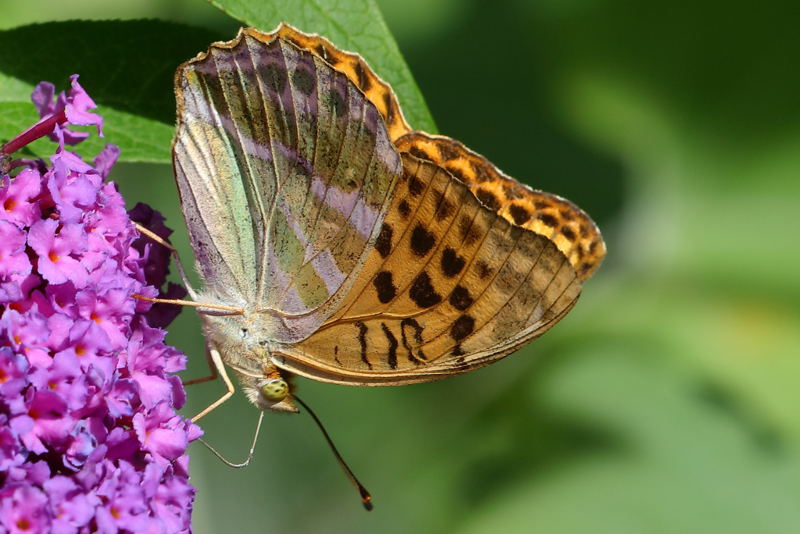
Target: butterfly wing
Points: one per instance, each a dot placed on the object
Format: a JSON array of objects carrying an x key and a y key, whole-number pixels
[
  {"x": 357, "y": 71},
  {"x": 452, "y": 284},
  {"x": 285, "y": 170},
  {"x": 568, "y": 226}
]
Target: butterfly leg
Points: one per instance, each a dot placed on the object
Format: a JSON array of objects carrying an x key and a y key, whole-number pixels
[
  {"x": 220, "y": 368},
  {"x": 212, "y": 375},
  {"x": 181, "y": 271}
]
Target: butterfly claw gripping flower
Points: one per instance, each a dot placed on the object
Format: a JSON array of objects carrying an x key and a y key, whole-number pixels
[{"x": 90, "y": 440}]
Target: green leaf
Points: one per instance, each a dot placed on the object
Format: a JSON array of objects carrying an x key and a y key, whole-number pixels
[
  {"x": 352, "y": 25},
  {"x": 140, "y": 139},
  {"x": 126, "y": 66}
]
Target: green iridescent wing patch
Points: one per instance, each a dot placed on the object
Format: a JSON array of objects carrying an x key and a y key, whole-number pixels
[{"x": 285, "y": 170}]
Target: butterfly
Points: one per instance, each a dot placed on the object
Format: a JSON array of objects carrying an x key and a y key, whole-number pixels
[{"x": 336, "y": 243}]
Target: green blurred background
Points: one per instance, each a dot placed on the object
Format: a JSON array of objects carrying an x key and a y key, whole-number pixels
[{"x": 667, "y": 400}]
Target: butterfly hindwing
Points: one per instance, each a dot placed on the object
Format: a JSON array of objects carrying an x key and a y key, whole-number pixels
[{"x": 450, "y": 286}]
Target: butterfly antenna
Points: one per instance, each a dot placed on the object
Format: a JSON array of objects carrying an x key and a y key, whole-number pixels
[
  {"x": 249, "y": 455},
  {"x": 366, "y": 498}
]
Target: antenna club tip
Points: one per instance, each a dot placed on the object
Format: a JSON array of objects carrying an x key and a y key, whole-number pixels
[
  {"x": 367, "y": 501},
  {"x": 366, "y": 498}
]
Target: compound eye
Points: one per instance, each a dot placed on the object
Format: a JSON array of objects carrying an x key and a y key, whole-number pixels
[{"x": 275, "y": 390}]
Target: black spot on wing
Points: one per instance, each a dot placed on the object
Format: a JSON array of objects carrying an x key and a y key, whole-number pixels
[
  {"x": 385, "y": 286},
  {"x": 418, "y": 152},
  {"x": 415, "y": 186},
  {"x": 569, "y": 233},
  {"x": 452, "y": 263},
  {"x": 325, "y": 54},
  {"x": 337, "y": 102},
  {"x": 384, "y": 242},
  {"x": 387, "y": 102},
  {"x": 488, "y": 199},
  {"x": 468, "y": 231},
  {"x": 483, "y": 269},
  {"x": 404, "y": 208},
  {"x": 422, "y": 292},
  {"x": 519, "y": 214},
  {"x": 422, "y": 240},
  {"x": 363, "y": 79},
  {"x": 460, "y": 298},
  {"x": 304, "y": 81},
  {"x": 444, "y": 210},
  {"x": 462, "y": 327},
  {"x": 274, "y": 77},
  {"x": 481, "y": 174},
  {"x": 448, "y": 152},
  {"x": 548, "y": 220},
  {"x": 459, "y": 175}
]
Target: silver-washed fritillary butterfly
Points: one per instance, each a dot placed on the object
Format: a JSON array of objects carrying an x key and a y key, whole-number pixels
[{"x": 336, "y": 243}]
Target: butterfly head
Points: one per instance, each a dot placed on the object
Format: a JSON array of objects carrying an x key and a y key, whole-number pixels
[
  {"x": 239, "y": 341},
  {"x": 268, "y": 392}
]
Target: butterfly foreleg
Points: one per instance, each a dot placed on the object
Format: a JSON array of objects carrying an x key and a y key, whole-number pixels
[
  {"x": 181, "y": 271},
  {"x": 218, "y": 370},
  {"x": 212, "y": 375}
]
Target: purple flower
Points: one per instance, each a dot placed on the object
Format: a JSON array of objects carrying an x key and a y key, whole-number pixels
[
  {"x": 73, "y": 105},
  {"x": 90, "y": 440},
  {"x": 159, "y": 315},
  {"x": 18, "y": 202},
  {"x": 14, "y": 262},
  {"x": 24, "y": 510}
]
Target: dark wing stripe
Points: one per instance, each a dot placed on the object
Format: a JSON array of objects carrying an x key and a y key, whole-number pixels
[
  {"x": 362, "y": 341},
  {"x": 391, "y": 356}
]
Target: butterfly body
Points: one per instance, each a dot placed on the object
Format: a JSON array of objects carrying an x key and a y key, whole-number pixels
[{"x": 359, "y": 252}]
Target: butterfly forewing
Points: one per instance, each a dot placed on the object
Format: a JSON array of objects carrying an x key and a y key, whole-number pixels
[
  {"x": 285, "y": 171},
  {"x": 356, "y": 69}
]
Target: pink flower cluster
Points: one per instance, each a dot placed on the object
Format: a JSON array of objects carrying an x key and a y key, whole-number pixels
[{"x": 90, "y": 440}]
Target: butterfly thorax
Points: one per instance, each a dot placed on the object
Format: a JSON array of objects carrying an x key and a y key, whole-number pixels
[{"x": 242, "y": 347}]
